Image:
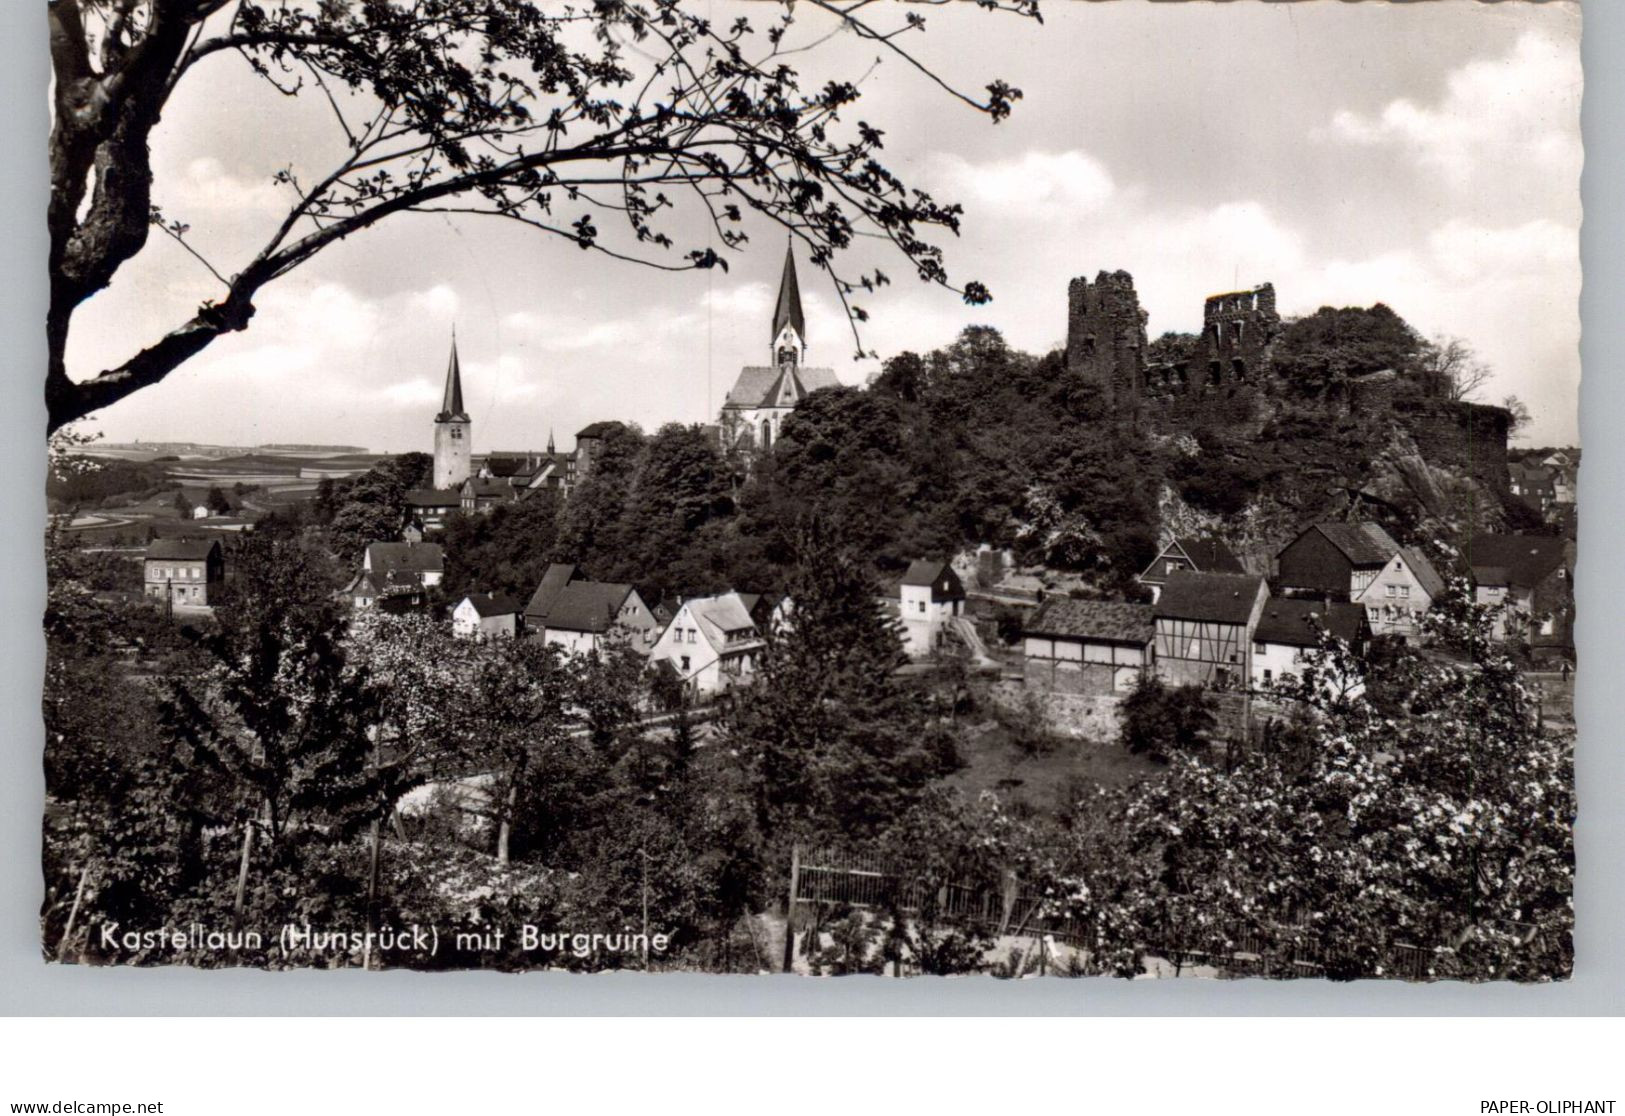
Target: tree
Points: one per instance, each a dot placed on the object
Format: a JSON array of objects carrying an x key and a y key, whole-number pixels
[
  {"x": 1518, "y": 415},
  {"x": 1429, "y": 812},
  {"x": 216, "y": 501},
  {"x": 1451, "y": 368},
  {"x": 1163, "y": 721},
  {"x": 182, "y": 506},
  {"x": 542, "y": 115}
]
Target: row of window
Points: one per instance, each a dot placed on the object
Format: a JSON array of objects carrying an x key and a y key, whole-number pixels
[{"x": 177, "y": 573}]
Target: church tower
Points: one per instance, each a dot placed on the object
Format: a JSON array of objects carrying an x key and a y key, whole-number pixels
[
  {"x": 789, "y": 324},
  {"x": 452, "y": 430}
]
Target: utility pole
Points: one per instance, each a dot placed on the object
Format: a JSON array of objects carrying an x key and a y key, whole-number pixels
[{"x": 790, "y": 909}]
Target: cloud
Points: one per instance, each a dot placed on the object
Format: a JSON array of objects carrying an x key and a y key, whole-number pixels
[
  {"x": 1517, "y": 110},
  {"x": 1036, "y": 186}
]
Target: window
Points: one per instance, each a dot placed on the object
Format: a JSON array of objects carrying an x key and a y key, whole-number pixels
[
  {"x": 685, "y": 664},
  {"x": 1267, "y": 676},
  {"x": 922, "y": 606},
  {"x": 1405, "y": 591},
  {"x": 1258, "y": 649},
  {"x": 1392, "y": 591},
  {"x": 692, "y": 632}
]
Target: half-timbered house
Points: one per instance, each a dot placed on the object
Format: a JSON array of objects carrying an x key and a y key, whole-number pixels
[{"x": 1204, "y": 628}]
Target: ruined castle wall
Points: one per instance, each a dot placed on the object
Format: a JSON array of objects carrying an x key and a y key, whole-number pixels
[{"x": 1105, "y": 337}]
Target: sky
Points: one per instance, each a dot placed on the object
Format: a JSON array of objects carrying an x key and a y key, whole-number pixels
[{"x": 1423, "y": 155}]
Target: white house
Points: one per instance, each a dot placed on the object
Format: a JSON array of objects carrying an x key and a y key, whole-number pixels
[
  {"x": 579, "y": 615},
  {"x": 711, "y": 643},
  {"x": 1288, "y": 630},
  {"x": 1361, "y": 562},
  {"x": 1087, "y": 647},
  {"x": 929, "y": 597},
  {"x": 485, "y": 616},
  {"x": 424, "y": 563}
]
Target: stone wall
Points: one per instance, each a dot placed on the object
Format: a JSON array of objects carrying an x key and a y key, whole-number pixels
[
  {"x": 1092, "y": 717},
  {"x": 1105, "y": 337}
]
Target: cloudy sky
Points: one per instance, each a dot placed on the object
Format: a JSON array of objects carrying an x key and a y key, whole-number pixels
[{"x": 1424, "y": 155}]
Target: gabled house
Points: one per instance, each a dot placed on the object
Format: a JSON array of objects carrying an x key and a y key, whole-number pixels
[
  {"x": 1199, "y": 555},
  {"x": 1532, "y": 576},
  {"x": 929, "y": 596},
  {"x": 1361, "y": 563},
  {"x": 580, "y": 615},
  {"x": 1204, "y": 628},
  {"x": 183, "y": 572},
  {"x": 1088, "y": 647},
  {"x": 711, "y": 645},
  {"x": 1289, "y": 629},
  {"x": 421, "y": 561},
  {"x": 396, "y": 576},
  {"x": 1535, "y": 485},
  {"x": 480, "y": 494},
  {"x": 485, "y": 616},
  {"x": 429, "y": 508}
]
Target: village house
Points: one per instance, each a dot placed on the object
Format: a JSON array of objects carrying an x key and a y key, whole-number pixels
[
  {"x": 711, "y": 645},
  {"x": 764, "y": 395},
  {"x": 1204, "y": 628},
  {"x": 1088, "y": 647},
  {"x": 1534, "y": 484},
  {"x": 579, "y": 615},
  {"x": 1361, "y": 563},
  {"x": 1289, "y": 629},
  {"x": 396, "y": 576},
  {"x": 183, "y": 572},
  {"x": 929, "y": 597},
  {"x": 1201, "y": 555},
  {"x": 1532, "y": 576},
  {"x": 589, "y": 445},
  {"x": 480, "y": 494},
  {"x": 485, "y": 616},
  {"x": 429, "y": 508}
]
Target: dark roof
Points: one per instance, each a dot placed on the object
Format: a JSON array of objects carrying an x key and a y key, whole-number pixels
[
  {"x": 493, "y": 604},
  {"x": 1363, "y": 544},
  {"x": 407, "y": 557},
  {"x": 595, "y": 430},
  {"x": 587, "y": 606},
  {"x": 788, "y": 309},
  {"x": 488, "y": 486},
  {"x": 182, "y": 549},
  {"x": 1226, "y": 598},
  {"x": 433, "y": 497},
  {"x": 1205, "y": 554},
  {"x": 1299, "y": 623},
  {"x": 758, "y": 385},
  {"x": 1525, "y": 560},
  {"x": 1104, "y": 621},
  {"x": 554, "y": 579},
  {"x": 451, "y": 406}
]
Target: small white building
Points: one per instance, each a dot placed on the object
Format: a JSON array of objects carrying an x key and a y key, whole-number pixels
[
  {"x": 1288, "y": 630},
  {"x": 712, "y": 644},
  {"x": 424, "y": 563},
  {"x": 929, "y": 597},
  {"x": 1087, "y": 647},
  {"x": 485, "y": 616}
]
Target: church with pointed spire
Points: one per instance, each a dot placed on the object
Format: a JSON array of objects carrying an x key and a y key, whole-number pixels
[
  {"x": 764, "y": 395},
  {"x": 453, "y": 431}
]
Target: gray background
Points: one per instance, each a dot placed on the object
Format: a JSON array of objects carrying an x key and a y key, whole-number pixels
[{"x": 29, "y": 986}]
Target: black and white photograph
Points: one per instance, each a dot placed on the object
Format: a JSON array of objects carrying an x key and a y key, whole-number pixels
[{"x": 831, "y": 487}]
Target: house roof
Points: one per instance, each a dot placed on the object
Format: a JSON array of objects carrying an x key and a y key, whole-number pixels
[
  {"x": 194, "y": 550},
  {"x": 433, "y": 497},
  {"x": 554, "y": 579},
  {"x": 1426, "y": 576},
  {"x": 1523, "y": 560},
  {"x": 1363, "y": 544},
  {"x": 595, "y": 430},
  {"x": 719, "y": 615},
  {"x": 758, "y": 385},
  {"x": 1206, "y": 554},
  {"x": 492, "y": 604},
  {"x": 487, "y": 486},
  {"x": 1225, "y": 598},
  {"x": 1102, "y": 621},
  {"x": 1299, "y": 623},
  {"x": 929, "y": 573},
  {"x": 587, "y": 606},
  {"x": 406, "y": 557}
]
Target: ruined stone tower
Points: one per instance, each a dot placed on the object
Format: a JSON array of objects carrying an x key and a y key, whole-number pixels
[
  {"x": 1238, "y": 330},
  {"x": 1105, "y": 338}
]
